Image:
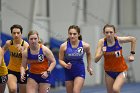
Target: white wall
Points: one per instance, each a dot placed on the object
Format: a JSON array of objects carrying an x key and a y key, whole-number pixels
[
  {"x": 61, "y": 17},
  {"x": 138, "y": 11},
  {"x": 17, "y": 12}
]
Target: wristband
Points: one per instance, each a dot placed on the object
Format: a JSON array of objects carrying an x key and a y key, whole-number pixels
[
  {"x": 48, "y": 72},
  {"x": 132, "y": 52}
]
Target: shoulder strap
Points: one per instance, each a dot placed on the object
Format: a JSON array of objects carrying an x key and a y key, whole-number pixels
[
  {"x": 80, "y": 44},
  {"x": 22, "y": 43},
  {"x": 41, "y": 50},
  {"x": 12, "y": 42},
  {"x": 105, "y": 42}
]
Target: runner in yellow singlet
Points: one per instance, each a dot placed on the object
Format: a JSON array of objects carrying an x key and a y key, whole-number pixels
[{"x": 15, "y": 46}]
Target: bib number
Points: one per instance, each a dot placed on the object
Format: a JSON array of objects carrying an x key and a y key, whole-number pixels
[
  {"x": 40, "y": 58},
  {"x": 118, "y": 53}
]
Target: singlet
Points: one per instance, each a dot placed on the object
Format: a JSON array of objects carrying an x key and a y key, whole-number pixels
[
  {"x": 40, "y": 63},
  {"x": 74, "y": 55},
  {"x": 3, "y": 68},
  {"x": 15, "y": 57},
  {"x": 113, "y": 58}
]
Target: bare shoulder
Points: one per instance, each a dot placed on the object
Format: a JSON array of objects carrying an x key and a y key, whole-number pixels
[
  {"x": 6, "y": 46},
  {"x": 63, "y": 45},
  {"x": 101, "y": 40},
  {"x": 26, "y": 44},
  {"x": 119, "y": 37},
  {"x": 85, "y": 44},
  {"x": 45, "y": 48},
  {"x": 8, "y": 42}
]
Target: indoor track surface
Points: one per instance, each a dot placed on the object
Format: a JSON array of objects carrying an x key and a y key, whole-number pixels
[{"x": 127, "y": 88}]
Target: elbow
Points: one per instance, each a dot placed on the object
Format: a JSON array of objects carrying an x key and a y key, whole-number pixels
[
  {"x": 54, "y": 63},
  {"x": 60, "y": 62},
  {"x": 134, "y": 39},
  {"x": 97, "y": 58}
]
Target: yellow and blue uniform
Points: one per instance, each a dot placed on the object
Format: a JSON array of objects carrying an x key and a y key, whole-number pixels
[{"x": 114, "y": 62}]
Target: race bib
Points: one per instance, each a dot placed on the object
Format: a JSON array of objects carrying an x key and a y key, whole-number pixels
[
  {"x": 40, "y": 58},
  {"x": 117, "y": 53}
]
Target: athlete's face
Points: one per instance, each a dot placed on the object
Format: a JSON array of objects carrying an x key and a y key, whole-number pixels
[
  {"x": 109, "y": 32},
  {"x": 16, "y": 33},
  {"x": 33, "y": 40},
  {"x": 73, "y": 35}
]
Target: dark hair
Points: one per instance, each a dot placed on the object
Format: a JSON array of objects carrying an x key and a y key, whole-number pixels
[
  {"x": 108, "y": 25},
  {"x": 77, "y": 29},
  {"x": 16, "y": 26}
]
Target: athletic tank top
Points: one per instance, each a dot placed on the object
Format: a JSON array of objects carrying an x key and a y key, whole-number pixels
[
  {"x": 15, "y": 57},
  {"x": 113, "y": 58},
  {"x": 3, "y": 68},
  {"x": 74, "y": 55},
  {"x": 40, "y": 63}
]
